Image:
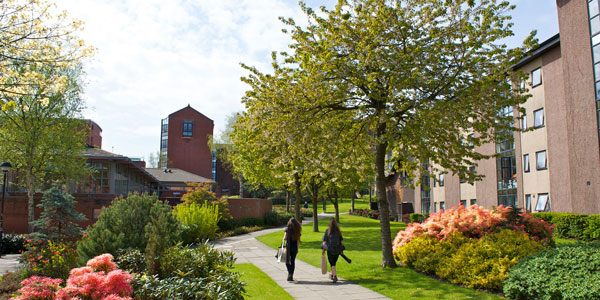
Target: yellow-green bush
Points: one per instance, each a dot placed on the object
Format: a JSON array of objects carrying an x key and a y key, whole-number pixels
[
  {"x": 425, "y": 253},
  {"x": 485, "y": 263},
  {"x": 199, "y": 221}
]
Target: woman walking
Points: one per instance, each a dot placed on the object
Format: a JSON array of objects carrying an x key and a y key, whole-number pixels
[
  {"x": 292, "y": 242},
  {"x": 332, "y": 243}
]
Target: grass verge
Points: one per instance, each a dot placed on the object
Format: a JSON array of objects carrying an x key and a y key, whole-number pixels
[
  {"x": 362, "y": 238},
  {"x": 259, "y": 285}
]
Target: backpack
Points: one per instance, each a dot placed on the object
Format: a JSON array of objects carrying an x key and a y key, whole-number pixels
[{"x": 334, "y": 243}]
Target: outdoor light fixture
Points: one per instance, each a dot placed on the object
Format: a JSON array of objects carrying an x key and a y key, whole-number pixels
[{"x": 5, "y": 167}]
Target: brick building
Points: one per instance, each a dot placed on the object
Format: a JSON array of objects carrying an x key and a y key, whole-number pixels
[
  {"x": 184, "y": 145},
  {"x": 554, "y": 162}
]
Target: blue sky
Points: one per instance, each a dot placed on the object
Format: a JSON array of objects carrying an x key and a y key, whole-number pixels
[{"x": 155, "y": 57}]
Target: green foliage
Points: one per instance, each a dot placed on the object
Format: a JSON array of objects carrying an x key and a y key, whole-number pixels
[
  {"x": 592, "y": 229},
  {"x": 56, "y": 221},
  {"x": 418, "y": 218},
  {"x": 191, "y": 273},
  {"x": 48, "y": 258},
  {"x": 200, "y": 221},
  {"x": 485, "y": 263},
  {"x": 12, "y": 243},
  {"x": 131, "y": 260},
  {"x": 9, "y": 284},
  {"x": 161, "y": 231},
  {"x": 277, "y": 218},
  {"x": 124, "y": 224},
  {"x": 199, "y": 193},
  {"x": 565, "y": 272}
]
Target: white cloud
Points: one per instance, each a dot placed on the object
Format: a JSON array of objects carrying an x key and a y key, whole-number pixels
[{"x": 155, "y": 57}]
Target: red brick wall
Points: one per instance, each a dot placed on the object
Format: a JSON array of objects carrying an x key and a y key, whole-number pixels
[
  {"x": 249, "y": 207},
  {"x": 191, "y": 154},
  {"x": 224, "y": 179},
  {"x": 15, "y": 210},
  {"x": 95, "y": 135}
]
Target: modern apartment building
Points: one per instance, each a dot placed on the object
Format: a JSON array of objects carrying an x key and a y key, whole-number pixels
[{"x": 553, "y": 164}]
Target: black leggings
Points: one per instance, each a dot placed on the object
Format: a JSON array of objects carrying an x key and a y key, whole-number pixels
[
  {"x": 293, "y": 249},
  {"x": 332, "y": 258}
]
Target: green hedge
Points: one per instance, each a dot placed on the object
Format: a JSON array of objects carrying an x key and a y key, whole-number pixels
[
  {"x": 573, "y": 226},
  {"x": 565, "y": 272},
  {"x": 418, "y": 218}
]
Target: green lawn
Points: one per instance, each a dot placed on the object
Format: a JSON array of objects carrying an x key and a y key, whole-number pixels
[
  {"x": 362, "y": 239},
  {"x": 259, "y": 285}
]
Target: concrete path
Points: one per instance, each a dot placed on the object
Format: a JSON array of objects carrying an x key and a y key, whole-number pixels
[
  {"x": 9, "y": 263},
  {"x": 308, "y": 282}
]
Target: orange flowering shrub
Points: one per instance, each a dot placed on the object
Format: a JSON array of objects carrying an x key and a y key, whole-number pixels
[{"x": 475, "y": 222}]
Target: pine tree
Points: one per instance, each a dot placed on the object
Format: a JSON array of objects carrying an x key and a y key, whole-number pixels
[{"x": 57, "y": 220}]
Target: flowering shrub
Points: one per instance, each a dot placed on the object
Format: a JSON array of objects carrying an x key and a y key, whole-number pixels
[
  {"x": 474, "y": 222},
  {"x": 48, "y": 258},
  {"x": 99, "y": 280},
  {"x": 38, "y": 288}
]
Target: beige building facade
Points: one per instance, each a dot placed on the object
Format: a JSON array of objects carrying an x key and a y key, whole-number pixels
[{"x": 553, "y": 164}]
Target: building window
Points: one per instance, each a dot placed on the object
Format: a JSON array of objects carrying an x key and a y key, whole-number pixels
[
  {"x": 441, "y": 179},
  {"x": 524, "y": 122},
  {"x": 528, "y": 202},
  {"x": 541, "y": 162},
  {"x": 538, "y": 118},
  {"x": 536, "y": 77},
  {"x": 96, "y": 213},
  {"x": 187, "y": 127},
  {"x": 473, "y": 202},
  {"x": 526, "y": 163},
  {"x": 435, "y": 207},
  {"x": 442, "y": 205},
  {"x": 463, "y": 203},
  {"x": 425, "y": 192},
  {"x": 542, "y": 204}
]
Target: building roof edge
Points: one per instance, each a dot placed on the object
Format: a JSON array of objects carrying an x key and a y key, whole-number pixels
[{"x": 539, "y": 51}]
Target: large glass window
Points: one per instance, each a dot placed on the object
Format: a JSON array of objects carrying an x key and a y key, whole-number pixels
[
  {"x": 425, "y": 193},
  {"x": 538, "y": 118},
  {"x": 541, "y": 162},
  {"x": 97, "y": 182},
  {"x": 536, "y": 77},
  {"x": 528, "y": 202},
  {"x": 441, "y": 179},
  {"x": 187, "y": 127},
  {"x": 524, "y": 122},
  {"x": 526, "y": 163},
  {"x": 542, "y": 204},
  {"x": 463, "y": 203}
]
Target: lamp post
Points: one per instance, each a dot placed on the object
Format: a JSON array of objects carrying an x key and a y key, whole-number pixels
[{"x": 5, "y": 167}]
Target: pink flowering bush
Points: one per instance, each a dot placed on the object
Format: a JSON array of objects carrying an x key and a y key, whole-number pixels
[
  {"x": 475, "y": 222},
  {"x": 99, "y": 280},
  {"x": 38, "y": 288}
]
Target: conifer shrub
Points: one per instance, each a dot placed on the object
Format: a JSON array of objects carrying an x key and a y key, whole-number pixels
[
  {"x": 57, "y": 220},
  {"x": 564, "y": 272},
  {"x": 124, "y": 224}
]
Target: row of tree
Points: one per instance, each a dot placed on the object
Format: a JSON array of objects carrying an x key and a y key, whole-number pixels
[
  {"x": 373, "y": 83},
  {"x": 41, "y": 130}
]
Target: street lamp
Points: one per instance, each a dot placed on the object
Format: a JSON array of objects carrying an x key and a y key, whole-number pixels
[{"x": 4, "y": 167}]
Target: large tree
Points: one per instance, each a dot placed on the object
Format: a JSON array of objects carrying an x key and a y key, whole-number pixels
[
  {"x": 40, "y": 86},
  {"x": 417, "y": 76}
]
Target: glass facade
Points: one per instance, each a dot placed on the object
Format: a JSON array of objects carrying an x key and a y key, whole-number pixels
[
  {"x": 506, "y": 168},
  {"x": 594, "y": 20},
  {"x": 425, "y": 193},
  {"x": 164, "y": 141}
]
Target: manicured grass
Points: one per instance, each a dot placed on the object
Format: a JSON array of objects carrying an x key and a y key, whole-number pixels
[
  {"x": 259, "y": 285},
  {"x": 362, "y": 239},
  {"x": 345, "y": 205}
]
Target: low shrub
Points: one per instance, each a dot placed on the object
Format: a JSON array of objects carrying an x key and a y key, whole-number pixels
[
  {"x": 12, "y": 243},
  {"x": 131, "y": 260},
  {"x": 418, "y": 218},
  {"x": 48, "y": 258},
  {"x": 565, "y": 272},
  {"x": 484, "y": 264},
  {"x": 569, "y": 226},
  {"x": 200, "y": 222},
  {"x": 277, "y": 217},
  {"x": 9, "y": 284},
  {"x": 191, "y": 273},
  {"x": 592, "y": 228}
]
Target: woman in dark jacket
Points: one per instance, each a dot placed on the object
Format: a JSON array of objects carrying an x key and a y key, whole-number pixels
[
  {"x": 332, "y": 243},
  {"x": 292, "y": 242}
]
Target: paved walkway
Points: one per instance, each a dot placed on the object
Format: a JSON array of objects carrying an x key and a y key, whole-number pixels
[
  {"x": 308, "y": 282},
  {"x": 9, "y": 263}
]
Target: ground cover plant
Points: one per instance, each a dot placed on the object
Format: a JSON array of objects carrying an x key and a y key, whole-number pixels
[
  {"x": 259, "y": 285},
  {"x": 474, "y": 247},
  {"x": 569, "y": 271},
  {"x": 363, "y": 246}
]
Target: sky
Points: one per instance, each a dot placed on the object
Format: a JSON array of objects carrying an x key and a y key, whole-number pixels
[{"x": 155, "y": 57}]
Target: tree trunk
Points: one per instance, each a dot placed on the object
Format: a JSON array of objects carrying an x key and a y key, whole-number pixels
[
  {"x": 384, "y": 208},
  {"x": 29, "y": 182},
  {"x": 287, "y": 200},
  {"x": 315, "y": 196},
  {"x": 241, "y": 180},
  {"x": 352, "y": 201},
  {"x": 298, "y": 197},
  {"x": 336, "y": 205}
]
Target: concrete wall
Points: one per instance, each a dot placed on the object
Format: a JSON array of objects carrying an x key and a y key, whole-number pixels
[{"x": 249, "y": 207}]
